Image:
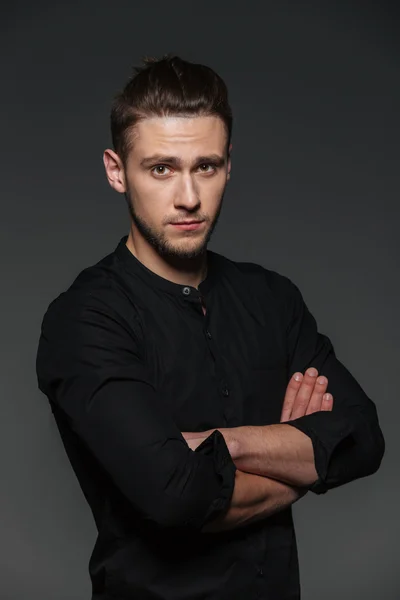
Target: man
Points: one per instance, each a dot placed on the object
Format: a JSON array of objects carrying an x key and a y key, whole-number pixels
[{"x": 190, "y": 390}]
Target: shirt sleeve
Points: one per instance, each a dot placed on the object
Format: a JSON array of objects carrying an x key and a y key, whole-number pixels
[
  {"x": 347, "y": 441},
  {"x": 91, "y": 364}
]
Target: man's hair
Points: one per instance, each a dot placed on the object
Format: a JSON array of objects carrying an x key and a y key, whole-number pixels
[{"x": 165, "y": 87}]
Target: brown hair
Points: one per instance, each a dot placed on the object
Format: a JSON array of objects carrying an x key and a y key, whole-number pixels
[{"x": 163, "y": 87}]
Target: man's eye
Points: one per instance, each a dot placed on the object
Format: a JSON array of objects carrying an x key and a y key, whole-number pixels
[
  {"x": 207, "y": 168},
  {"x": 159, "y": 170}
]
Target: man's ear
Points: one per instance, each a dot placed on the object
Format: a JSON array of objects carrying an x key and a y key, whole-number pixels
[
  {"x": 115, "y": 171},
  {"x": 229, "y": 161}
]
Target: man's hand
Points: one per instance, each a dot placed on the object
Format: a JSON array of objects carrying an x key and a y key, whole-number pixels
[{"x": 305, "y": 395}]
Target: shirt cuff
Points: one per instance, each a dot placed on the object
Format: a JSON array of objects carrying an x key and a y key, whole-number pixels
[
  {"x": 225, "y": 468},
  {"x": 328, "y": 432}
]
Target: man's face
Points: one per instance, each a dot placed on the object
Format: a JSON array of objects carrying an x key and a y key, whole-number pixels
[{"x": 177, "y": 171}]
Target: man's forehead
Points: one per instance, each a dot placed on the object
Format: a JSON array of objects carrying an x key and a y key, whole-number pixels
[{"x": 185, "y": 137}]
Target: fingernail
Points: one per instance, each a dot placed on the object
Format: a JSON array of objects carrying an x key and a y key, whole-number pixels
[
  {"x": 312, "y": 372},
  {"x": 322, "y": 380},
  {"x": 327, "y": 397},
  {"x": 298, "y": 376}
]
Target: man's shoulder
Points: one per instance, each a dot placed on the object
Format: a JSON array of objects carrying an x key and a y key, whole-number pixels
[
  {"x": 255, "y": 274},
  {"x": 100, "y": 285}
]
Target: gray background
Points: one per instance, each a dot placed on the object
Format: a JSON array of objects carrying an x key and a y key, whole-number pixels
[{"x": 314, "y": 194}]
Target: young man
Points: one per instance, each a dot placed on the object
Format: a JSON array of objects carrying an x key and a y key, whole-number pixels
[{"x": 191, "y": 390}]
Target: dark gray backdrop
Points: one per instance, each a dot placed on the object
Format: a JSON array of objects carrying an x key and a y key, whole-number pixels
[{"x": 314, "y": 194}]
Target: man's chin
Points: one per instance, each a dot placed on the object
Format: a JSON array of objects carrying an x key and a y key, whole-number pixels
[{"x": 183, "y": 251}]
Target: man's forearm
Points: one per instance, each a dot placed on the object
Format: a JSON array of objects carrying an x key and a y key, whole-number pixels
[
  {"x": 254, "y": 498},
  {"x": 278, "y": 451}
]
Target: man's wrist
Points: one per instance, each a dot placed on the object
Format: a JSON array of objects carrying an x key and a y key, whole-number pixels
[{"x": 232, "y": 440}]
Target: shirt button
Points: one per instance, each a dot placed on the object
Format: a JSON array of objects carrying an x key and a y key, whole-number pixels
[
  {"x": 225, "y": 391},
  {"x": 208, "y": 334},
  {"x": 186, "y": 291}
]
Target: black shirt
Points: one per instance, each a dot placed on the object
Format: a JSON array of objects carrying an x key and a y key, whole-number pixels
[{"x": 128, "y": 360}]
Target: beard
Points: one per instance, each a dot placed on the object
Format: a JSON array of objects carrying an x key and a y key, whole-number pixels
[{"x": 159, "y": 241}]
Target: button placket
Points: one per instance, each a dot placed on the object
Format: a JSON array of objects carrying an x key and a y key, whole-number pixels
[{"x": 224, "y": 390}]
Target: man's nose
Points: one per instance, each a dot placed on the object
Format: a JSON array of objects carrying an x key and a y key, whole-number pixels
[{"x": 187, "y": 194}]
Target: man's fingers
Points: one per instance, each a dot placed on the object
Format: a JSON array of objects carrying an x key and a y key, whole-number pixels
[
  {"x": 290, "y": 396},
  {"x": 316, "y": 397},
  {"x": 304, "y": 394}
]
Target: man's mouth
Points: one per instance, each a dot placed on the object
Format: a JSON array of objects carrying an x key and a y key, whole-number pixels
[{"x": 189, "y": 225}]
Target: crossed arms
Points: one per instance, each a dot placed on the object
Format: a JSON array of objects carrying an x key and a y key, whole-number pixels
[{"x": 275, "y": 463}]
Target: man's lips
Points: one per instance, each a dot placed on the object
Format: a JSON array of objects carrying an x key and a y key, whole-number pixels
[
  {"x": 188, "y": 225},
  {"x": 186, "y": 222}
]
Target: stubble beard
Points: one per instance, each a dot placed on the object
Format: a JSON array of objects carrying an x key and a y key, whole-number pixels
[{"x": 160, "y": 242}]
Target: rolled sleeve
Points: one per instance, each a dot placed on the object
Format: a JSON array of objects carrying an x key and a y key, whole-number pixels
[
  {"x": 347, "y": 441},
  {"x": 215, "y": 447},
  {"x": 330, "y": 437}
]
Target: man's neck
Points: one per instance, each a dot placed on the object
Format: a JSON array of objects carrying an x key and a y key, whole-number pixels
[{"x": 184, "y": 272}]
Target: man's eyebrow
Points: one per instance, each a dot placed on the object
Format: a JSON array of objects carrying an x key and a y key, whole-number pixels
[
  {"x": 212, "y": 158},
  {"x": 175, "y": 161},
  {"x": 159, "y": 158}
]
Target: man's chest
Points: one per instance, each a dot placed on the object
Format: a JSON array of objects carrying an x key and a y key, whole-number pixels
[{"x": 218, "y": 366}]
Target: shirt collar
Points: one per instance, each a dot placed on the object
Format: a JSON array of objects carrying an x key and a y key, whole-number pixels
[{"x": 187, "y": 292}]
